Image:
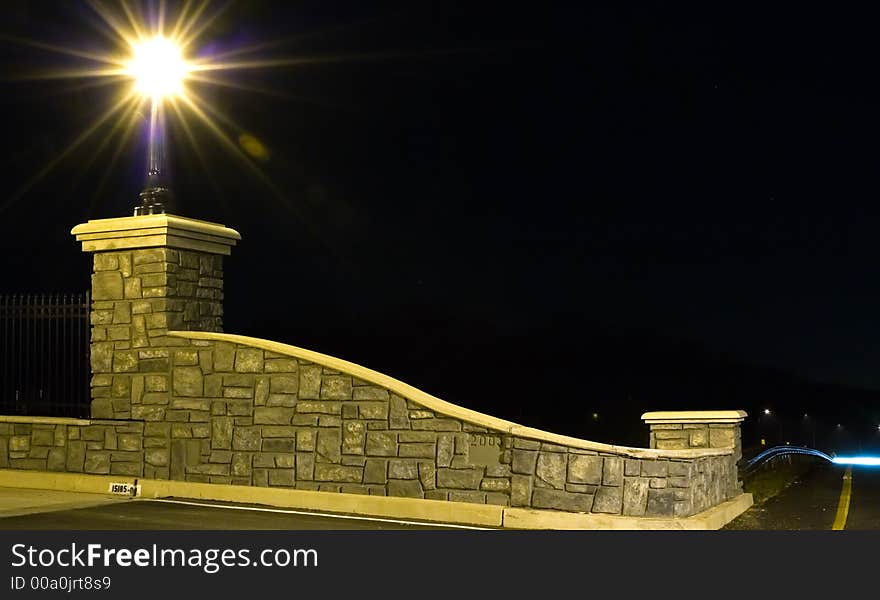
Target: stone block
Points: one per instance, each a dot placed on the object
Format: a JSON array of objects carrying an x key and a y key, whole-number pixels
[
  {"x": 608, "y": 500},
  {"x": 224, "y": 357},
  {"x": 285, "y": 461},
  {"x": 305, "y": 466},
  {"x": 698, "y": 438},
  {"x": 495, "y": 484},
  {"x": 551, "y": 468},
  {"x": 524, "y": 462},
  {"x": 353, "y": 437},
  {"x": 273, "y": 416},
  {"x": 405, "y": 488},
  {"x": 284, "y": 384},
  {"x": 278, "y": 445},
  {"x": 107, "y": 285},
  {"x": 632, "y": 467},
  {"x": 559, "y": 500},
  {"x": 461, "y": 479},
  {"x": 279, "y": 431},
  {"x": 403, "y": 469},
  {"x": 398, "y": 417},
  {"x": 585, "y": 469},
  {"x": 101, "y": 357},
  {"x": 375, "y": 471},
  {"x": 335, "y": 387},
  {"x": 19, "y": 443},
  {"x": 55, "y": 461},
  {"x": 520, "y": 490},
  {"x": 187, "y": 381},
  {"x": 338, "y": 473},
  {"x": 373, "y": 410},
  {"x": 661, "y": 503},
  {"x": 309, "y": 382},
  {"x": 131, "y": 468},
  {"x": 370, "y": 393},
  {"x": 428, "y": 475},
  {"x": 305, "y": 440},
  {"x": 125, "y": 361},
  {"x": 722, "y": 438},
  {"x": 280, "y": 365},
  {"x": 241, "y": 464},
  {"x": 655, "y": 468},
  {"x": 105, "y": 262},
  {"x": 416, "y": 450},
  {"x": 122, "y": 313},
  {"x": 328, "y": 447},
  {"x": 157, "y": 457},
  {"x": 436, "y": 425},
  {"x": 327, "y": 408},
  {"x": 612, "y": 471},
  {"x": 144, "y": 413},
  {"x": 246, "y": 438},
  {"x": 97, "y": 462},
  {"x": 43, "y": 437},
  {"x": 635, "y": 496},
  {"x": 473, "y": 497},
  {"x": 203, "y": 404},
  {"x": 381, "y": 443}
]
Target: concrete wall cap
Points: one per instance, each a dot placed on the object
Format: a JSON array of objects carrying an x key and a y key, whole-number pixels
[
  {"x": 150, "y": 231},
  {"x": 694, "y": 416},
  {"x": 446, "y": 408},
  {"x": 43, "y": 420}
]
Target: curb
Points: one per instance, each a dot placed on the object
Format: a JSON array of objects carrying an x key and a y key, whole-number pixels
[{"x": 417, "y": 509}]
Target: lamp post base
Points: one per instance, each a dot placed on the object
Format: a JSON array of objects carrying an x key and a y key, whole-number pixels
[{"x": 152, "y": 201}]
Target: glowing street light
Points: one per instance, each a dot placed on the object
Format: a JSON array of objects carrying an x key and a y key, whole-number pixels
[
  {"x": 158, "y": 69},
  {"x": 766, "y": 411}
]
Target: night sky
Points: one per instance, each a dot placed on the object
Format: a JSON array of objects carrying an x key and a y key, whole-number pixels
[{"x": 538, "y": 210}]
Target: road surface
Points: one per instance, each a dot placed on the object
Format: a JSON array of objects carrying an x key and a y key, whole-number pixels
[
  {"x": 821, "y": 500},
  {"x": 40, "y": 509}
]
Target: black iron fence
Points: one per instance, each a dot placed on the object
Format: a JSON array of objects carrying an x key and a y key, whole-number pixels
[{"x": 44, "y": 355}]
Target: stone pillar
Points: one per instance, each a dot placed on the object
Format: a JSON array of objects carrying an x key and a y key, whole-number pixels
[
  {"x": 152, "y": 274},
  {"x": 680, "y": 430}
]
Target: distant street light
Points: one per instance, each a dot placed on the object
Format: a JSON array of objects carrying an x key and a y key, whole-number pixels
[{"x": 766, "y": 411}]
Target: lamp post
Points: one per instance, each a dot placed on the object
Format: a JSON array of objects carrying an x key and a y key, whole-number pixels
[
  {"x": 155, "y": 193},
  {"x": 158, "y": 70}
]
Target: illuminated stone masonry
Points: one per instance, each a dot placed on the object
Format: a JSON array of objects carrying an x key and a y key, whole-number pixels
[{"x": 173, "y": 398}]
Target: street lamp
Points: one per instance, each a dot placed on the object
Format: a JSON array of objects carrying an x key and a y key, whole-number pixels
[{"x": 158, "y": 69}]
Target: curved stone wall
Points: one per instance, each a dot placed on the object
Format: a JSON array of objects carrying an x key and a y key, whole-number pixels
[{"x": 231, "y": 409}]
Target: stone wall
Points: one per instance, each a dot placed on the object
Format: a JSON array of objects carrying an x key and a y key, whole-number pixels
[
  {"x": 221, "y": 412},
  {"x": 172, "y": 398},
  {"x": 137, "y": 297},
  {"x": 72, "y": 445}
]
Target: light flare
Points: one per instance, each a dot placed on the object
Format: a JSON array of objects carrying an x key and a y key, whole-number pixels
[
  {"x": 158, "y": 68},
  {"x": 153, "y": 57}
]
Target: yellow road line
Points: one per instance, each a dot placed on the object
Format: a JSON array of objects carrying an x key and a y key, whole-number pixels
[{"x": 843, "y": 505}]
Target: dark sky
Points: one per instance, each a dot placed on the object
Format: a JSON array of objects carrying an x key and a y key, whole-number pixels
[{"x": 509, "y": 180}]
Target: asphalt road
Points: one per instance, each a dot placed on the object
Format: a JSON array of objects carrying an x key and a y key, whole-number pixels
[
  {"x": 184, "y": 514},
  {"x": 812, "y": 503}
]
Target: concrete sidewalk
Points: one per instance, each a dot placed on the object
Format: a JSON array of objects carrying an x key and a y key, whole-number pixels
[{"x": 22, "y": 501}]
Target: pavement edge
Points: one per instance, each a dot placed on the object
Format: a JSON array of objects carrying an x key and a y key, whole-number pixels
[{"x": 440, "y": 511}]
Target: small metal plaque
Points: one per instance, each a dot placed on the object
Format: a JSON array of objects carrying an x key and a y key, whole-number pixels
[
  {"x": 125, "y": 489},
  {"x": 485, "y": 449}
]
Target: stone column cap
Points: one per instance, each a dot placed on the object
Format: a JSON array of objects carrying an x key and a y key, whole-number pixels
[
  {"x": 694, "y": 416},
  {"x": 159, "y": 230}
]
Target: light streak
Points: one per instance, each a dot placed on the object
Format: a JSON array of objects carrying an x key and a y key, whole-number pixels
[{"x": 863, "y": 461}]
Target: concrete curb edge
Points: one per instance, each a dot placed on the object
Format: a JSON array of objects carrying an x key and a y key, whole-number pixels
[{"x": 417, "y": 509}]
